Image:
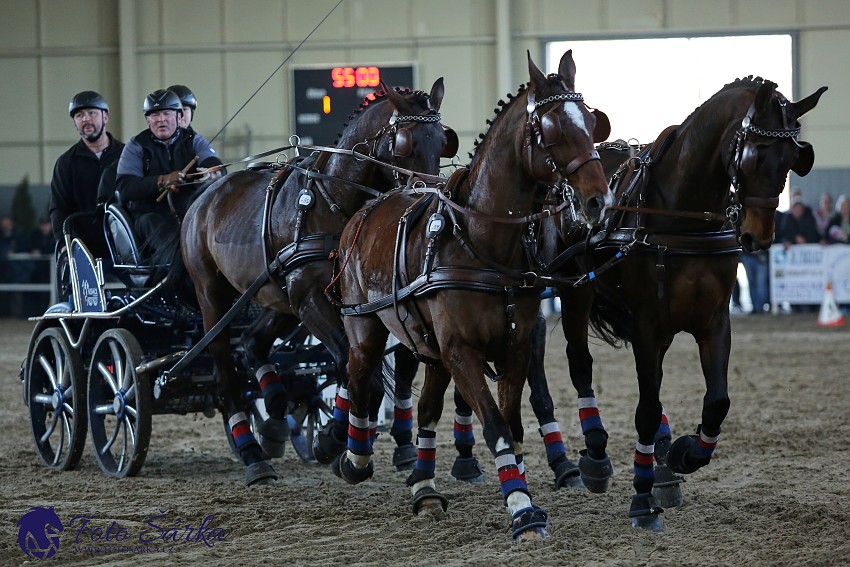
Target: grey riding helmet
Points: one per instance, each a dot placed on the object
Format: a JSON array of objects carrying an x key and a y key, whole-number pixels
[
  {"x": 187, "y": 97},
  {"x": 162, "y": 99},
  {"x": 87, "y": 99}
]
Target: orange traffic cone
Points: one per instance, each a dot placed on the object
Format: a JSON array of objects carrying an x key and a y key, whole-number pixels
[{"x": 829, "y": 315}]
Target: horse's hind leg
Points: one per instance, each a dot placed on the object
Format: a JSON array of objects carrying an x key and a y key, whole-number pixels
[
  {"x": 566, "y": 471},
  {"x": 406, "y": 366},
  {"x": 465, "y": 467},
  {"x": 594, "y": 465}
]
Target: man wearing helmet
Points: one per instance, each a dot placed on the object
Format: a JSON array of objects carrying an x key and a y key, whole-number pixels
[
  {"x": 189, "y": 102},
  {"x": 153, "y": 163},
  {"x": 74, "y": 186}
]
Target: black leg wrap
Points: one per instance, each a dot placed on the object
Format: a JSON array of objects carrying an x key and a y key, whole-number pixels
[
  {"x": 568, "y": 475},
  {"x": 534, "y": 518},
  {"x": 353, "y": 475},
  {"x": 404, "y": 457},
  {"x": 646, "y": 513},
  {"x": 260, "y": 473},
  {"x": 667, "y": 487},
  {"x": 681, "y": 458},
  {"x": 330, "y": 442},
  {"x": 428, "y": 493},
  {"x": 467, "y": 469},
  {"x": 272, "y": 435},
  {"x": 595, "y": 473}
]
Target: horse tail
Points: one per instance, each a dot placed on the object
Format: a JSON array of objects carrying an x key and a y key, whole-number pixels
[{"x": 611, "y": 322}]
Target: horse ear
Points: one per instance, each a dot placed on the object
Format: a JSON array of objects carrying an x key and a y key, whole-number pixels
[
  {"x": 393, "y": 96},
  {"x": 452, "y": 143},
  {"x": 536, "y": 75},
  {"x": 603, "y": 126},
  {"x": 805, "y": 160},
  {"x": 567, "y": 70},
  {"x": 437, "y": 92},
  {"x": 803, "y": 106},
  {"x": 763, "y": 95}
]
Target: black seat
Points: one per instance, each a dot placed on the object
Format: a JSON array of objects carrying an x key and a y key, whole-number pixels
[{"x": 123, "y": 246}]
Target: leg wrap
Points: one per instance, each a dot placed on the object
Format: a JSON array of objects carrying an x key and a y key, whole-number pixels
[
  {"x": 274, "y": 392},
  {"x": 243, "y": 437},
  {"x": 463, "y": 433},
  {"x": 341, "y": 405},
  {"x": 426, "y": 456},
  {"x": 510, "y": 479},
  {"x": 555, "y": 449},
  {"x": 643, "y": 467},
  {"x": 402, "y": 428},
  {"x": 359, "y": 442}
]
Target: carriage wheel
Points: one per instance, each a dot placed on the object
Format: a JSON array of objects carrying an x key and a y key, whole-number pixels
[
  {"x": 119, "y": 404},
  {"x": 55, "y": 392},
  {"x": 63, "y": 278}
]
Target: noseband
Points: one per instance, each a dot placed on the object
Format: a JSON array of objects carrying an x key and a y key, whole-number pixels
[{"x": 744, "y": 162}]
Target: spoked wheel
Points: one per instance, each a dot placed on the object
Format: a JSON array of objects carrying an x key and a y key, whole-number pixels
[
  {"x": 56, "y": 392},
  {"x": 119, "y": 404}
]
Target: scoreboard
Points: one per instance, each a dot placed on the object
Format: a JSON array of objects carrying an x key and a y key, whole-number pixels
[{"x": 324, "y": 98}]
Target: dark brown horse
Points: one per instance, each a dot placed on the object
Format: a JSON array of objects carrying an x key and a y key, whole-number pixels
[
  {"x": 666, "y": 263},
  {"x": 227, "y": 241},
  {"x": 469, "y": 300}
]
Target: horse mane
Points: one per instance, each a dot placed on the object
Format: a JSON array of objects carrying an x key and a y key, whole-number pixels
[
  {"x": 750, "y": 83},
  {"x": 498, "y": 112},
  {"x": 372, "y": 99}
]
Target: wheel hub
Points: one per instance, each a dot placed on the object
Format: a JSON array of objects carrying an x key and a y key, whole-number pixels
[
  {"x": 58, "y": 399},
  {"x": 118, "y": 403}
]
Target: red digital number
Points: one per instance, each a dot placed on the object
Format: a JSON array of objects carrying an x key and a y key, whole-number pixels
[{"x": 347, "y": 77}]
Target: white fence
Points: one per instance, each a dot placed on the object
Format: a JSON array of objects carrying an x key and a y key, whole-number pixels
[{"x": 799, "y": 274}]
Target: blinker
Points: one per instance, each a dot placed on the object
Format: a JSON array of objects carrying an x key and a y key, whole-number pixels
[
  {"x": 403, "y": 146},
  {"x": 749, "y": 156}
]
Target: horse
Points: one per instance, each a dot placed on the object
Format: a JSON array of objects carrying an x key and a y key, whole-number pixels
[
  {"x": 473, "y": 301},
  {"x": 665, "y": 262},
  {"x": 284, "y": 223}
]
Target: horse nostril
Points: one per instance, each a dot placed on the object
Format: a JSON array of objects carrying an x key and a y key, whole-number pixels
[{"x": 594, "y": 207}]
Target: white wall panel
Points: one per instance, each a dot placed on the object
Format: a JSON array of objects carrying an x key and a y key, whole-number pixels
[
  {"x": 19, "y": 24},
  {"x": 253, "y": 20}
]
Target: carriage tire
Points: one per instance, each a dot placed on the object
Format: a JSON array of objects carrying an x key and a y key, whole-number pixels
[
  {"x": 119, "y": 404},
  {"x": 63, "y": 278},
  {"x": 54, "y": 380}
]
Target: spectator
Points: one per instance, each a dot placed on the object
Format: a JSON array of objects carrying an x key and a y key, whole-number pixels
[
  {"x": 76, "y": 175},
  {"x": 151, "y": 165},
  {"x": 10, "y": 243},
  {"x": 800, "y": 226},
  {"x": 823, "y": 214},
  {"x": 42, "y": 240},
  {"x": 838, "y": 229}
]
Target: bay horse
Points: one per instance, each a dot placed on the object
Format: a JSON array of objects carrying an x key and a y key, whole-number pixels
[
  {"x": 666, "y": 262},
  {"x": 472, "y": 302},
  {"x": 286, "y": 222}
]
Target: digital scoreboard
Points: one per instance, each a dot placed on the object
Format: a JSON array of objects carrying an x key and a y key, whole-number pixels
[{"x": 323, "y": 99}]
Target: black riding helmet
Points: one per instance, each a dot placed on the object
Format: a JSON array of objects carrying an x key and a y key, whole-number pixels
[
  {"x": 162, "y": 99},
  {"x": 87, "y": 99},
  {"x": 187, "y": 97}
]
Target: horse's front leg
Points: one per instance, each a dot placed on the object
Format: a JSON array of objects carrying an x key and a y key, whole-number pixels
[
  {"x": 594, "y": 464},
  {"x": 566, "y": 471},
  {"x": 405, "y": 368},
  {"x": 692, "y": 452},
  {"x": 368, "y": 339}
]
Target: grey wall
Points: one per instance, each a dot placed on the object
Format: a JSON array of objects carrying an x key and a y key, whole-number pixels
[{"x": 224, "y": 49}]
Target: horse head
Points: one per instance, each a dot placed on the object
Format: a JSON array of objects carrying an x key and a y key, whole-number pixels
[
  {"x": 411, "y": 135},
  {"x": 563, "y": 131},
  {"x": 764, "y": 149}
]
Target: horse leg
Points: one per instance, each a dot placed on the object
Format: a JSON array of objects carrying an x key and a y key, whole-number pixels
[
  {"x": 645, "y": 513},
  {"x": 426, "y": 498},
  {"x": 214, "y": 298},
  {"x": 465, "y": 467},
  {"x": 466, "y": 364},
  {"x": 594, "y": 465},
  {"x": 692, "y": 452},
  {"x": 406, "y": 366},
  {"x": 667, "y": 487},
  {"x": 257, "y": 341},
  {"x": 566, "y": 471},
  {"x": 369, "y": 337}
]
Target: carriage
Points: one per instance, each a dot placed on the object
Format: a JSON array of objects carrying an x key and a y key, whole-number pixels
[{"x": 123, "y": 347}]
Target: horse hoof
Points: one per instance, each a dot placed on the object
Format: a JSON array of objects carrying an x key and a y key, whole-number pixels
[
  {"x": 272, "y": 435},
  {"x": 427, "y": 501},
  {"x": 645, "y": 513},
  {"x": 404, "y": 457},
  {"x": 667, "y": 487},
  {"x": 329, "y": 443},
  {"x": 467, "y": 469},
  {"x": 302, "y": 449},
  {"x": 260, "y": 473},
  {"x": 351, "y": 474},
  {"x": 567, "y": 475},
  {"x": 595, "y": 473},
  {"x": 335, "y": 466},
  {"x": 529, "y": 523},
  {"x": 681, "y": 458}
]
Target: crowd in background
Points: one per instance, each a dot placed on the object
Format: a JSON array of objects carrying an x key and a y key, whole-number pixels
[{"x": 25, "y": 258}]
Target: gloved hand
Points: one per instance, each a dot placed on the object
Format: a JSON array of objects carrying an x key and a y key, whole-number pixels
[
  {"x": 209, "y": 175},
  {"x": 170, "y": 180}
]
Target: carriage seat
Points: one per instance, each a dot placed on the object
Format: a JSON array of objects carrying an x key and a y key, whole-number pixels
[{"x": 123, "y": 245}]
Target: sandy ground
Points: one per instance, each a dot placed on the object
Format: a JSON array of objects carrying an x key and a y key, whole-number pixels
[{"x": 776, "y": 492}]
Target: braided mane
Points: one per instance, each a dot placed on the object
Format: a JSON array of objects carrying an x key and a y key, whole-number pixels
[{"x": 373, "y": 98}]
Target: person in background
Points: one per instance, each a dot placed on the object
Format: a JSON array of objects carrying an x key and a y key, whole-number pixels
[
  {"x": 823, "y": 214},
  {"x": 800, "y": 226},
  {"x": 155, "y": 162},
  {"x": 76, "y": 175},
  {"x": 838, "y": 228},
  {"x": 189, "y": 102},
  {"x": 10, "y": 243}
]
